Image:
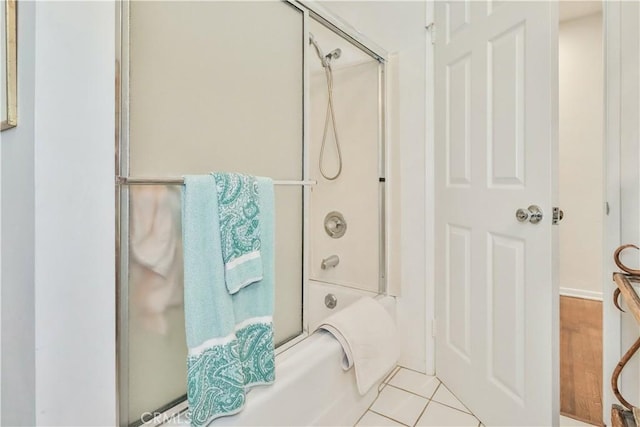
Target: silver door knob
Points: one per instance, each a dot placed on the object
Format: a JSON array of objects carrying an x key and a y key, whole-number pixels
[{"x": 533, "y": 213}]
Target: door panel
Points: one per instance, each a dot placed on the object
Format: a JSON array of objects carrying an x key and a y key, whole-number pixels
[
  {"x": 505, "y": 108},
  {"x": 458, "y": 15},
  {"x": 506, "y": 313},
  {"x": 458, "y": 288},
  {"x": 458, "y": 114},
  {"x": 496, "y": 139}
]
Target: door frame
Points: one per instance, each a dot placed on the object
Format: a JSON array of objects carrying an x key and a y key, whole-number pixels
[
  {"x": 611, "y": 176},
  {"x": 430, "y": 203},
  {"x": 611, "y": 324}
]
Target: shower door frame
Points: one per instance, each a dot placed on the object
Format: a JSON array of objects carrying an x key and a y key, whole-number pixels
[
  {"x": 309, "y": 10},
  {"x": 323, "y": 16}
]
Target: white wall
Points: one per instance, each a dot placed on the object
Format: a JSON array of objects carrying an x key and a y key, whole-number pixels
[
  {"x": 57, "y": 277},
  {"x": 581, "y": 155},
  {"x": 17, "y": 239},
  {"x": 399, "y": 27},
  {"x": 74, "y": 214}
]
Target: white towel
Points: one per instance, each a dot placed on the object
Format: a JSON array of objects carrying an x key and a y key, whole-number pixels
[
  {"x": 369, "y": 339},
  {"x": 156, "y": 254}
]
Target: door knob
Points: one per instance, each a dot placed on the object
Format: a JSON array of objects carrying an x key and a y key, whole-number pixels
[{"x": 533, "y": 213}]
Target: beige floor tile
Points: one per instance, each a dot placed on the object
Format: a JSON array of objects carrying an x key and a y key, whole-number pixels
[
  {"x": 371, "y": 419},
  {"x": 444, "y": 396},
  {"x": 418, "y": 383},
  {"x": 399, "y": 405},
  {"x": 444, "y": 416}
]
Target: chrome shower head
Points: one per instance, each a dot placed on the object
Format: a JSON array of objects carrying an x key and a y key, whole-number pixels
[
  {"x": 325, "y": 59},
  {"x": 334, "y": 54}
]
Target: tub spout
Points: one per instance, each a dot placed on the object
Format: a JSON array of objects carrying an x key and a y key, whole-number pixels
[{"x": 332, "y": 261}]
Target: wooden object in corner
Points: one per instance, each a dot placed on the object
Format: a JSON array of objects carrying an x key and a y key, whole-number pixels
[
  {"x": 628, "y": 293},
  {"x": 633, "y": 303},
  {"x": 620, "y": 417}
]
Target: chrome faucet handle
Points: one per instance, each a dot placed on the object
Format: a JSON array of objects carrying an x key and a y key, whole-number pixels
[{"x": 335, "y": 225}]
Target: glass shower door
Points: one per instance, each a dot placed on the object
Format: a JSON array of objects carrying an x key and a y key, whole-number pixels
[{"x": 212, "y": 86}]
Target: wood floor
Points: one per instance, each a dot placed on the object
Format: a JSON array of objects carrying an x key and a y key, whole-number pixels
[{"x": 581, "y": 359}]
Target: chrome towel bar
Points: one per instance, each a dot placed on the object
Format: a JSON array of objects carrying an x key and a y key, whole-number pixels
[{"x": 123, "y": 180}]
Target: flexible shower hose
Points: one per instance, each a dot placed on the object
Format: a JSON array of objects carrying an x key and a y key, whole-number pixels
[{"x": 330, "y": 115}]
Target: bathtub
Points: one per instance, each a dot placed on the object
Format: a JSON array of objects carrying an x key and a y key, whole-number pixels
[
  {"x": 316, "y": 309},
  {"x": 311, "y": 387}
]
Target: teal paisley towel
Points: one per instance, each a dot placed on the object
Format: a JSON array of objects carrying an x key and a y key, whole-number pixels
[
  {"x": 239, "y": 211},
  {"x": 218, "y": 377},
  {"x": 229, "y": 337}
]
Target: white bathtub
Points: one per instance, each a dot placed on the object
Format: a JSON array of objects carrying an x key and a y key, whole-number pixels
[{"x": 311, "y": 387}]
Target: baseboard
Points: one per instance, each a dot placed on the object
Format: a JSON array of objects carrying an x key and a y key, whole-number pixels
[
  {"x": 580, "y": 419},
  {"x": 580, "y": 293}
]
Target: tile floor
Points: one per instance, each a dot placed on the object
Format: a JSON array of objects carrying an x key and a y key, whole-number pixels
[{"x": 409, "y": 398}]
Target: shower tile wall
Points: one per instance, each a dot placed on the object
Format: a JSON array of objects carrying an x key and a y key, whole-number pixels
[{"x": 355, "y": 192}]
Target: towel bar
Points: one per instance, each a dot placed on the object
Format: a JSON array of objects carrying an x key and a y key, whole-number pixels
[{"x": 123, "y": 180}]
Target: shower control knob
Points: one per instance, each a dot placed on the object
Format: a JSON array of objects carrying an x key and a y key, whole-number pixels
[{"x": 335, "y": 225}]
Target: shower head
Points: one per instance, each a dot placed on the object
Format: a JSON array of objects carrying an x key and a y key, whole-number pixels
[
  {"x": 334, "y": 54},
  {"x": 325, "y": 59}
]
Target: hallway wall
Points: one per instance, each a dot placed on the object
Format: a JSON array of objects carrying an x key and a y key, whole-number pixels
[{"x": 581, "y": 156}]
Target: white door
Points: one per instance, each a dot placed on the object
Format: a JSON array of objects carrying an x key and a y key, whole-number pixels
[{"x": 496, "y": 103}]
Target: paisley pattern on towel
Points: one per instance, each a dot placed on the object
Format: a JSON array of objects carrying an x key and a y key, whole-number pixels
[
  {"x": 239, "y": 211},
  {"x": 255, "y": 345},
  {"x": 218, "y": 377}
]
